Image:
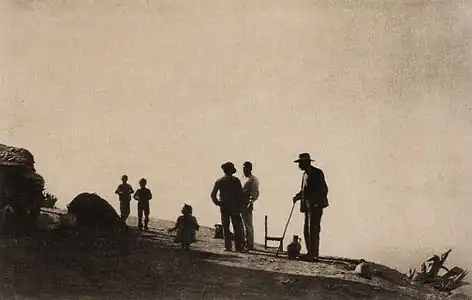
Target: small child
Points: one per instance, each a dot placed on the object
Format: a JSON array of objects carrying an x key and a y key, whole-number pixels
[
  {"x": 143, "y": 195},
  {"x": 124, "y": 192},
  {"x": 186, "y": 227}
]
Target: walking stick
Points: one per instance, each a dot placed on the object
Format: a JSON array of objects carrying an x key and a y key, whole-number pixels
[{"x": 285, "y": 230}]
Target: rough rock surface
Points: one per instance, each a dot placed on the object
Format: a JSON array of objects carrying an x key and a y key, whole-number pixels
[
  {"x": 93, "y": 211},
  {"x": 14, "y": 156},
  {"x": 21, "y": 188}
]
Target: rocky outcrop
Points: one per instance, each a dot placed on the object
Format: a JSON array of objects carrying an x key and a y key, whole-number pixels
[
  {"x": 90, "y": 210},
  {"x": 21, "y": 188},
  {"x": 16, "y": 157}
]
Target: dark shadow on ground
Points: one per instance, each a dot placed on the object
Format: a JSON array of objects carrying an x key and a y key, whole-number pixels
[{"x": 94, "y": 265}]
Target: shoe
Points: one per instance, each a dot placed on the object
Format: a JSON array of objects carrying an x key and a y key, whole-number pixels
[
  {"x": 241, "y": 250},
  {"x": 309, "y": 258},
  {"x": 228, "y": 250},
  {"x": 306, "y": 257}
]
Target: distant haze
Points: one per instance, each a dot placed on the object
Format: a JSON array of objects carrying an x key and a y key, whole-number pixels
[{"x": 377, "y": 91}]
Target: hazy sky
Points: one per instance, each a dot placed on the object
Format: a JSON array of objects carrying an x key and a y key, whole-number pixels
[{"x": 378, "y": 93}]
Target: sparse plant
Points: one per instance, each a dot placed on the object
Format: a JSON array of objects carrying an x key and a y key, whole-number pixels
[
  {"x": 49, "y": 200},
  {"x": 429, "y": 274}
]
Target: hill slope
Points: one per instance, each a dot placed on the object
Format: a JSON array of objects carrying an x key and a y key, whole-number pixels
[{"x": 66, "y": 265}]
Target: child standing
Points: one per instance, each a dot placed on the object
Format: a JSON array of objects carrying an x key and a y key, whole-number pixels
[
  {"x": 124, "y": 192},
  {"x": 186, "y": 227},
  {"x": 143, "y": 196}
]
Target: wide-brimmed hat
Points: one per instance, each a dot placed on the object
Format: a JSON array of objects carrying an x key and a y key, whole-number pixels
[
  {"x": 303, "y": 157},
  {"x": 228, "y": 167}
]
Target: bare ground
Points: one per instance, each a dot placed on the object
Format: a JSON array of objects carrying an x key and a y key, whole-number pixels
[{"x": 85, "y": 265}]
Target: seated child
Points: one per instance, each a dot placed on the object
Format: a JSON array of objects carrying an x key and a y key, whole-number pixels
[{"x": 186, "y": 227}]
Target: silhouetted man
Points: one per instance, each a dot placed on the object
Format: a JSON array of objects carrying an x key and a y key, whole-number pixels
[
  {"x": 230, "y": 202},
  {"x": 250, "y": 185},
  {"x": 314, "y": 198},
  {"x": 124, "y": 192}
]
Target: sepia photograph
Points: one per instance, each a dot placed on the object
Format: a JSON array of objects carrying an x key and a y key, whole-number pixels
[{"x": 223, "y": 149}]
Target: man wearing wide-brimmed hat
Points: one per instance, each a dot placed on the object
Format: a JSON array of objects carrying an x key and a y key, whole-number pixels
[
  {"x": 231, "y": 204},
  {"x": 314, "y": 198}
]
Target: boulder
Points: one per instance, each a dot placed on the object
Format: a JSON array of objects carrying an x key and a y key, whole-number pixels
[
  {"x": 21, "y": 188},
  {"x": 68, "y": 221},
  {"x": 45, "y": 222},
  {"x": 18, "y": 157},
  {"x": 90, "y": 210}
]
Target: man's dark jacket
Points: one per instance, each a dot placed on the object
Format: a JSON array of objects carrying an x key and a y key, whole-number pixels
[
  {"x": 231, "y": 194},
  {"x": 315, "y": 191}
]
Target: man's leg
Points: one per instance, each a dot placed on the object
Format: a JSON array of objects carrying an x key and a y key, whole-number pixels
[
  {"x": 122, "y": 210},
  {"x": 226, "y": 232},
  {"x": 238, "y": 231},
  {"x": 306, "y": 233},
  {"x": 140, "y": 216},
  {"x": 248, "y": 226},
  {"x": 315, "y": 229},
  {"x": 125, "y": 210},
  {"x": 146, "y": 215},
  {"x": 243, "y": 226}
]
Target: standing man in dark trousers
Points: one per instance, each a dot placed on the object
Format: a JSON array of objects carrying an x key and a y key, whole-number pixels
[
  {"x": 124, "y": 192},
  {"x": 251, "y": 194},
  {"x": 313, "y": 198},
  {"x": 231, "y": 203}
]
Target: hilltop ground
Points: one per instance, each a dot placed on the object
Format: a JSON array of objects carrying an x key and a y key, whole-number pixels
[{"x": 67, "y": 265}]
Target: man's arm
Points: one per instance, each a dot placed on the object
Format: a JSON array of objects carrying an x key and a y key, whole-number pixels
[
  {"x": 297, "y": 196},
  {"x": 239, "y": 193},
  {"x": 321, "y": 188},
  {"x": 118, "y": 190},
  {"x": 302, "y": 192},
  {"x": 214, "y": 193},
  {"x": 255, "y": 189}
]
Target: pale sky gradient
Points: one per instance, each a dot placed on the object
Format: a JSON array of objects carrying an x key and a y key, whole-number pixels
[{"x": 378, "y": 93}]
